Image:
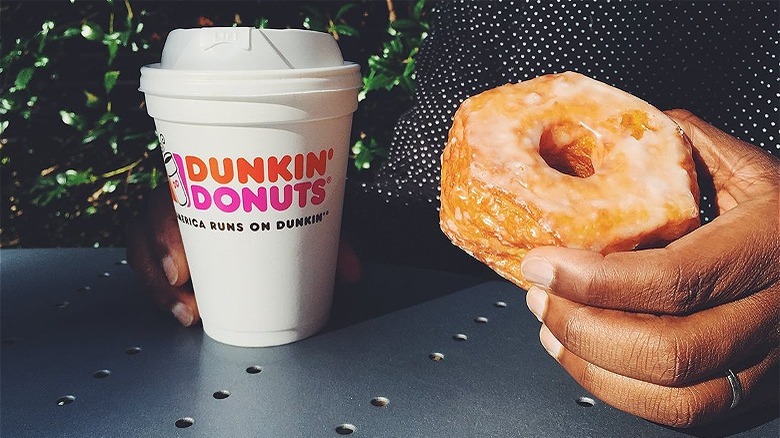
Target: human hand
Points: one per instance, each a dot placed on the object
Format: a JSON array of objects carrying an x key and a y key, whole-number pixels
[
  {"x": 156, "y": 253},
  {"x": 653, "y": 332}
]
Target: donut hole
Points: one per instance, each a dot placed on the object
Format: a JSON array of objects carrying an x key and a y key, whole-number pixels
[{"x": 568, "y": 148}]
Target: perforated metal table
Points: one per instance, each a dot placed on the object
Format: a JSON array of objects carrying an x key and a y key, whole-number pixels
[{"x": 85, "y": 355}]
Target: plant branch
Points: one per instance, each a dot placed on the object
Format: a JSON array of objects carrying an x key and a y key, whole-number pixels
[
  {"x": 122, "y": 169},
  {"x": 390, "y": 11}
]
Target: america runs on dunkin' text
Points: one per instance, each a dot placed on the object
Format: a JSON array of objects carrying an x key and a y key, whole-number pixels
[{"x": 239, "y": 227}]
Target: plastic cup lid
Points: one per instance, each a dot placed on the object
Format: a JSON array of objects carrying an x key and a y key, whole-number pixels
[
  {"x": 244, "y": 61},
  {"x": 246, "y": 48}
]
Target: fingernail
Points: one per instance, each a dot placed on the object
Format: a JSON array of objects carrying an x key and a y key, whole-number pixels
[
  {"x": 182, "y": 313},
  {"x": 549, "y": 342},
  {"x": 171, "y": 270},
  {"x": 538, "y": 271},
  {"x": 536, "y": 299}
]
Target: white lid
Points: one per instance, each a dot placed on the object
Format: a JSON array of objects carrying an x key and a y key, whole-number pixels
[
  {"x": 246, "y": 48},
  {"x": 244, "y": 62}
]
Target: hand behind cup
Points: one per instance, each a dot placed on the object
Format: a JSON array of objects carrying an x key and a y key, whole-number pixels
[{"x": 156, "y": 253}]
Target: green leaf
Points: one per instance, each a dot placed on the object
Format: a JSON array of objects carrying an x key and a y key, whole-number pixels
[
  {"x": 113, "y": 47},
  {"x": 394, "y": 47},
  {"x": 71, "y": 32},
  {"x": 113, "y": 36},
  {"x": 3, "y": 127},
  {"x": 23, "y": 77},
  {"x": 378, "y": 82},
  {"x": 93, "y": 134},
  {"x": 6, "y": 105},
  {"x": 110, "y": 186},
  {"x": 73, "y": 177},
  {"x": 407, "y": 83},
  {"x": 50, "y": 192},
  {"x": 261, "y": 23},
  {"x": 315, "y": 23},
  {"x": 405, "y": 25},
  {"x": 91, "y": 31},
  {"x": 106, "y": 118},
  {"x": 343, "y": 10},
  {"x": 72, "y": 119},
  {"x": 92, "y": 99},
  {"x": 109, "y": 80},
  {"x": 417, "y": 10},
  {"x": 380, "y": 64},
  {"x": 153, "y": 178},
  {"x": 409, "y": 68},
  {"x": 345, "y": 29},
  {"x": 41, "y": 61}
]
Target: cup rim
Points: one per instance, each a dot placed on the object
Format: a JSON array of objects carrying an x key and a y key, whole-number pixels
[{"x": 346, "y": 68}]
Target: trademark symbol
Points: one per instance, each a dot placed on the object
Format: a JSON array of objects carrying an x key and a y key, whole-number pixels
[{"x": 327, "y": 181}]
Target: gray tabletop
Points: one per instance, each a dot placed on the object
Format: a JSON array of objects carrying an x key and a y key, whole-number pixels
[{"x": 409, "y": 353}]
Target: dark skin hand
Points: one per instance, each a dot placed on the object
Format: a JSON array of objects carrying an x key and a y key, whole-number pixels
[
  {"x": 653, "y": 332},
  {"x": 156, "y": 253}
]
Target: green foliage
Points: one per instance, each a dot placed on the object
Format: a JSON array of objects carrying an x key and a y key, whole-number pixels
[
  {"x": 388, "y": 85},
  {"x": 77, "y": 149}
]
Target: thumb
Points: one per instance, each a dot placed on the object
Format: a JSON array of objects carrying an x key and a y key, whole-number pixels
[{"x": 733, "y": 256}]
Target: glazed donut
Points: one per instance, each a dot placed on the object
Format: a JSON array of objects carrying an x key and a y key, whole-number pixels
[{"x": 563, "y": 160}]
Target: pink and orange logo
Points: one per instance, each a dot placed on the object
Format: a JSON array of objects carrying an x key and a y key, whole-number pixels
[{"x": 261, "y": 184}]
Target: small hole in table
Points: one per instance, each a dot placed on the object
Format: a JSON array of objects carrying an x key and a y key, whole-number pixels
[
  {"x": 101, "y": 374},
  {"x": 345, "y": 429},
  {"x": 221, "y": 394},
  {"x": 380, "y": 402},
  {"x": 585, "y": 402},
  {"x": 65, "y": 400},
  {"x": 182, "y": 423},
  {"x": 254, "y": 369}
]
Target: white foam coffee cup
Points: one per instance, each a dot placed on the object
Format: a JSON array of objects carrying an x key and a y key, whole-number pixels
[{"x": 254, "y": 125}]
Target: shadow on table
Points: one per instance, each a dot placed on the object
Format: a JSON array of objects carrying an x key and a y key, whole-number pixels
[
  {"x": 733, "y": 426},
  {"x": 378, "y": 293}
]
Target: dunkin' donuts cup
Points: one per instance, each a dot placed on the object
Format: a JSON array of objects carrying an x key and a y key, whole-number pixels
[{"x": 254, "y": 127}]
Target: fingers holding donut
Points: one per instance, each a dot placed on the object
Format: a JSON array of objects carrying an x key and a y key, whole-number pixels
[
  {"x": 651, "y": 331},
  {"x": 733, "y": 256},
  {"x": 654, "y": 332},
  {"x": 676, "y": 406},
  {"x": 739, "y": 170},
  {"x": 662, "y": 350}
]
